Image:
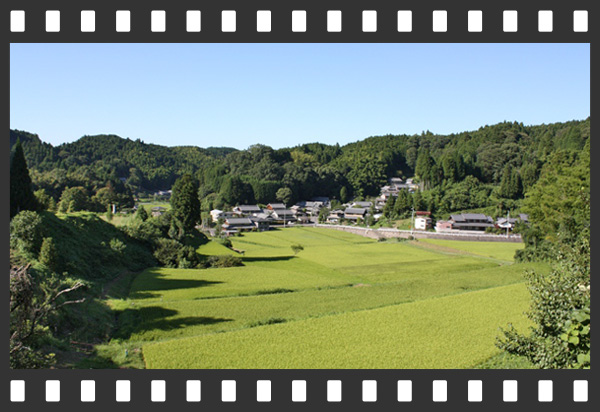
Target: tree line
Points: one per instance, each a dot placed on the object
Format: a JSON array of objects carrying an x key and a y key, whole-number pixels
[{"x": 456, "y": 172}]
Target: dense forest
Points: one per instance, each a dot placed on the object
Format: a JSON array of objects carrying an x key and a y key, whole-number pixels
[{"x": 492, "y": 166}]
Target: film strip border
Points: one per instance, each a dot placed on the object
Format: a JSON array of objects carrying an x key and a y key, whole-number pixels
[
  {"x": 273, "y": 389},
  {"x": 298, "y": 21},
  {"x": 269, "y": 21}
]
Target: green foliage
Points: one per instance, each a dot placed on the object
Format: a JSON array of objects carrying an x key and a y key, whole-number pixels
[
  {"x": 185, "y": 203},
  {"x": 21, "y": 193},
  {"x": 26, "y": 231},
  {"x": 224, "y": 241},
  {"x": 560, "y": 194},
  {"x": 83, "y": 242},
  {"x": 230, "y": 177},
  {"x": 343, "y": 194},
  {"x": 558, "y": 338},
  {"x": 284, "y": 195},
  {"x": 44, "y": 200},
  {"x": 142, "y": 214},
  {"x": 297, "y": 248},
  {"x": 74, "y": 199},
  {"x": 49, "y": 255},
  {"x": 167, "y": 252},
  {"x": 225, "y": 261}
]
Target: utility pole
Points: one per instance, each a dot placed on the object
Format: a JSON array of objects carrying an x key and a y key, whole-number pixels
[
  {"x": 507, "y": 222},
  {"x": 412, "y": 218}
]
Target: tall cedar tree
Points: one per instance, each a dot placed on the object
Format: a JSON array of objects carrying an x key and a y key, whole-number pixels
[
  {"x": 185, "y": 202},
  {"x": 21, "y": 193}
]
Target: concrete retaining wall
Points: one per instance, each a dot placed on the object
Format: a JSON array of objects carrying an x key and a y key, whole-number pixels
[{"x": 391, "y": 233}]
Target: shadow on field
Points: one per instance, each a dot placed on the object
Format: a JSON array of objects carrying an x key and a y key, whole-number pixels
[
  {"x": 157, "y": 281},
  {"x": 268, "y": 258},
  {"x": 139, "y": 320}
]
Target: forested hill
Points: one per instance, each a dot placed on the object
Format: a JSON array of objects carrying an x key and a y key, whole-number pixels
[{"x": 507, "y": 151}]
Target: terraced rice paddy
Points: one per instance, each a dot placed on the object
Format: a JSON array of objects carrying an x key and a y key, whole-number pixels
[{"x": 343, "y": 302}]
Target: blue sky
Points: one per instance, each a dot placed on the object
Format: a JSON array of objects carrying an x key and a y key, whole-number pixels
[{"x": 283, "y": 95}]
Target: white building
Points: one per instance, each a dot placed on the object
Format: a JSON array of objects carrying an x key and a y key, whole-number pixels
[{"x": 422, "y": 222}]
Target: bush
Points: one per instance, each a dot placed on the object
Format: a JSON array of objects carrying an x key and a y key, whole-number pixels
[
  {"x": 167, "y": 252},
  {"x": 26, "y": 232},
  {"x": 224, "y": 261},
  {"x": 297, "y": 248},
  {"x": 117, "y": 246},
  {"x": 225, "y": 242}
]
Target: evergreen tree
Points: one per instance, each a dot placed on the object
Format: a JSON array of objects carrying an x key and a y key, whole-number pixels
[
  {"x": 185, "y": 202},
  {"x": 343, "y": 194},
  {"x": 21, "y": 193},
  {"x": 48, "y": 254},
  {"x": 388, "y": 209},
  {"x": 142, "y": 214},
  {"x": 424, "y": 167},
  {"x": 418, "y": 203},
  {"x": 403, "y": 204}
]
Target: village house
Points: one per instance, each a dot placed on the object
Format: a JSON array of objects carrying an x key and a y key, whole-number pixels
[
  {"x": 283, "y": 216},
  {"x": 215, "y": 214},
  {"x": 247, "y": 210},
  {"x": 354, "y": 213},
  {"x": 423, "y": 220},
  {"x": 275, "y": 206},
  {"x": 443, "y": 226},
  {"x": 335, "y": 216},
  {"x": 311, "y": 207},
  {"x": 471, "y": 221},
  {"x": 261, "y": 221},
  {"x": 362, "y": 205},
  {"x": 237, "y": 224},
  {"x": 504, "y": 223}
]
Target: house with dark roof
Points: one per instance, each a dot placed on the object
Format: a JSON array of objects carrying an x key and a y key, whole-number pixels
[
  {"x": 335, "y": 216},
  {"x": 471, "y": 221},
  {"x": 355, "y": 213},
  {"x": 364, "y": 205},
  {"x": 275, "y": 206},
  {"x": 262, "y": 221},
  {"x": 283, "y": 216},
  {"x": 247, "y": 210},
  {"x": 238, "y": 224}
]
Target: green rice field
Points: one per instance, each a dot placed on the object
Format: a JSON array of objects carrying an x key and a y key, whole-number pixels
[{"x": 345, "y": 301}]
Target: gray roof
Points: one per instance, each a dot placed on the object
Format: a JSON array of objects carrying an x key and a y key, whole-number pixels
[
  {"x": 524, "y": 217},
  {"x": 362, "y": 204},
  {"x": 466, "y": 217},
  {"x": 277, "y": 205},
  {"x": 249, "y": 208},
  {"x": 239, "y": 221},
  {"x": 355, "y": 211},
  {"x": 283, "y": 212}
]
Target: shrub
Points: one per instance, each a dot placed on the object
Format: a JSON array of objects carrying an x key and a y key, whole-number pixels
[
  {"x": 225, "y": 261},
  {"x": 297, "y": 248},
  {"x": 167, "y": 252},
  {"x": 142, "y": 214},
  {"x": 225, "y": 242},
  {"x": 117, "y": 246},
  {"x": 26, "y": 232}
]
